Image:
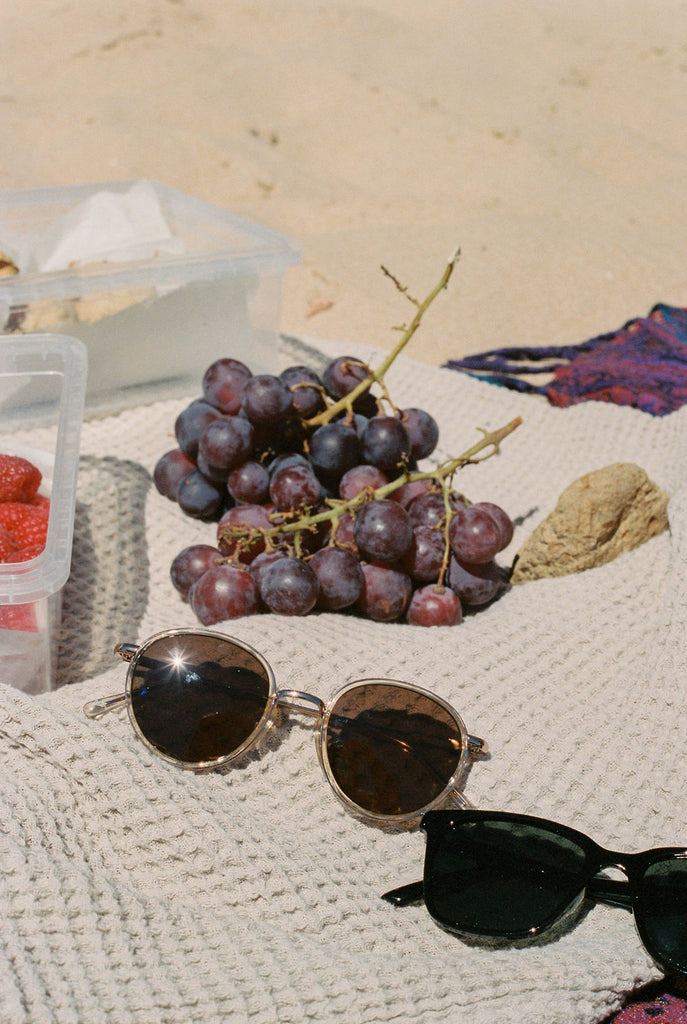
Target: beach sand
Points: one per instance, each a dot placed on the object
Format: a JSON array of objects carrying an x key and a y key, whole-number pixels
[{"x": 547, "y": 141}]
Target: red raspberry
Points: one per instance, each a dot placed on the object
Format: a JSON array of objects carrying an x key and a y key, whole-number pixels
[
  {"x": 7, "y": 546},
  {"x": 19, "y": 478}
]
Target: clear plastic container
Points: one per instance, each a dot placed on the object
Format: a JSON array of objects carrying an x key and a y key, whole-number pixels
[
  {"x": 42, "y": 390},
  {"x": 151, "y": 326}
]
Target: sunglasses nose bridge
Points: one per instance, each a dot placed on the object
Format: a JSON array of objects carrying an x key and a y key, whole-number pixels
[
  {"x": 299, "y": 700},
  {"x": 615, "y": 890}
]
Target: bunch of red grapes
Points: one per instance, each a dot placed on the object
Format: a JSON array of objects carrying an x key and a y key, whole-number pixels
[{"x": 319, "y": 504}]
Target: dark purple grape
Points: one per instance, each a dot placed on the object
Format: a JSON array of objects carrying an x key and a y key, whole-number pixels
[
  {"x": 190, "y": 564},
  {"x": 359, "y": 422},
  {"x": 295, "y": 487},
  {"x": 382, "y": 531},
  {"x": 434, "y": 606},
  {"x": 475, "y": 584},
  {"x": 358, "y": 478},
  {"x": 407, "y": 493},
  {"x": 266, "y": 443},
  {"x": 226, "y": 443},
  {"x": 190, "y": 424},
  {"x": 289, "y": 587},
  {"x": 385, "y": 594},
  {"x": 474, "y": 535},
  {"x": 218, "y": 476},
  {"x": 223, "y": 384},
  {"x": 200, "y": 497},
  {"x": 292, "y": 435},
  {"x": 343, "y": 374},
  {"x": 170, "y": 469},
  {"x": 334, "y": 448},
  {"x": 340, "y": 577},
  {"x": 287, "y": 459},
  {"x": 385, "y": 444},
  {"x": 263, "y": 561},
  {"x": 503, "y": 521},
  {"x": 306, "y": 390},
  {"x": 366, "y": 405},
  {"x": 430, "y": 509},
  {"x": 266, "y": 399},
  {"x": 249, "y": 483},
  {"x": 224, "y": 592},
  {"x": 425, "y": 556},
  {"x": 422, "y": 430},
  {"x": 243, "y": 518},
  {"x": 343, "y": 532}
]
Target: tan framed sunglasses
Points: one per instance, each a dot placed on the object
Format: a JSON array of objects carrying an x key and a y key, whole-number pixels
[{"x": 390, "y": 750}]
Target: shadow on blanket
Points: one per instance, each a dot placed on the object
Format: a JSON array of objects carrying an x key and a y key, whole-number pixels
[{"x": 107, "y": 592}]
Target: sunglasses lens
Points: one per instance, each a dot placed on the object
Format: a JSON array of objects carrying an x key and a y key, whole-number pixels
[
  {"x": 198, "y": 698},
  {"x": 391, "y": 750},
  {"x": 502, "y": 878},
  {"x": 662, "y": 912}
]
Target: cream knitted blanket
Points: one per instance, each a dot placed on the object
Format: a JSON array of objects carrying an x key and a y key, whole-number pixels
[{"x": 133, "y": 892}]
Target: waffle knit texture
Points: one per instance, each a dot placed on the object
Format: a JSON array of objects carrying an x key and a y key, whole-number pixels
[{"x": 132, "y": 891}]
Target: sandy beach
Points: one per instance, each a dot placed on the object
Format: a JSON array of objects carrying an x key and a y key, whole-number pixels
[{"x": 545, "y": 140}]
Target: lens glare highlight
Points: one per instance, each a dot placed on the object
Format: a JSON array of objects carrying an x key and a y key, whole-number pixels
[{"x": 197, "y": 698}]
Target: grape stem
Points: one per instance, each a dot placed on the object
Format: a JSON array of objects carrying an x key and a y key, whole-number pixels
[
  {"x": 300, "y": 521},
  {"x": 345, "y": 404},
  {"x": 442, "y": 475}
]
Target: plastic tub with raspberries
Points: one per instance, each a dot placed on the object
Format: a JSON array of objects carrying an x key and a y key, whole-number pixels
[
  {"x": 42, "y": 389},
  {"x": 316, "y": 499}
]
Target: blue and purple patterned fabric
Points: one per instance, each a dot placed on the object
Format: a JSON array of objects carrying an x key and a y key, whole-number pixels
[
  {"x": 661, "y": 1004},
  {"x": 644, "y": 364}
]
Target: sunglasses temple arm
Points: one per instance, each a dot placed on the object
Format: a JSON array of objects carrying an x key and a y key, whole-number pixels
[
  {"x": 405, "y": 894},
  {"x": 98, "y": 708}
]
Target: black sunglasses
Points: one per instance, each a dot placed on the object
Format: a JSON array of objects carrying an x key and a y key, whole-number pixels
[
  {"x": 511, "y": 876},
  {"x": 390, "y": 750}
]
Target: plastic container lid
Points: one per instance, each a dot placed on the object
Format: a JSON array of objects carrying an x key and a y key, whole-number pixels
[{"x": 215, "y": 244}]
